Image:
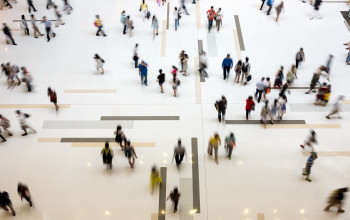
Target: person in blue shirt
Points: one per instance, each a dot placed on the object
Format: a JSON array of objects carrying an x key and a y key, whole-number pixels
[
  {"x": 143, "y": 72},
  {"x": 309, "y": 163},
  {"x": 270, "y": 4},
  {"x": 227, "y": 64}
]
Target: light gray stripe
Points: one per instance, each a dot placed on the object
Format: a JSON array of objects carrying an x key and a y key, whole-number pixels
[
  {"x": 195, "y": 176},
  {"x": 239, "y": 33},
  {"x": 249, "y": 122},
  {"x": 211, "y": 41},
  {"x": 167, "y": 16},
  {"x": 200, "y": 50},
  {"x": 82, "y": 140},
  {"x": 119, "y": 118},
  {"x": 313, "y": 108},
  {"x": 86, "y": 124},
  {"x": 162, "y": 194},
  {"x": 186, "y": 200}
]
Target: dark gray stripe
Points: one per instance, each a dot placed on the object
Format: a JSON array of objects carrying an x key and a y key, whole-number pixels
[
  {"x": 186, "y": 202},
  {"x": 249, "y": 122},
  {"x": 140, "y": 118},
  {"x": 296, "y": 87},
  {"x": 239, "y": 33},
  {"x": 30, "y": 20},
  {"x": 345, "y": 16},
  {"x": 200, "y": 50},
  {"x": 71, "y": 140},
  {"x": 162, "y": 194},
  {"x": 195, "y": 176},
  {"x": 167, "y": 16},
  {"x": 86, "y": 124}
]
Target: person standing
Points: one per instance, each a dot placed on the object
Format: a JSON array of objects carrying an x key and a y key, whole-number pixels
[
  {"x": 260, "y": 88},
  {"x": 155, "y": 26},
  {"x": 179, "y": 153},
  {"x": 59, "y": 17},
  {"x": 23, "y": 122},
  {"x": 184, "y": 62},
  {"x": 211, "y": 16},
  {"x": 221, "y": 108},
  {"x": 230, "y": 143},
  {"x": 130, "y": 153},
  {"x": 309, "y": 164},
  {"x": 279, "y": 9},
  {"x": 336, "y": 107},
  {"x": 328, "y": 66},
  {"x": 5, "y": 202},
  {"x": 129, "y": 25},
  {"x": 48, "y": 28},
  {"x": 175, "y": 197},
  {"x": 299, "y": 57},
  {"x": 214, "y": 142},
  {"x": 270, "y": 4},
  {"x": 143, "y": 72},
  {"x": 123, "y": 21},
  {"x": 161, "y": 80},
  {"x": 316, "y": 13},
  {"x": 218, "y": 18},
  {"x": 238, "y": 70},
  {"x": 8, "y": 33},
  {"x": 311, "y": 139},
  {"x": 120, "y": 137},
  {"x": 30, "y": 6},
  {"x": 5, "y": 124},
  {"x": 98, "y": 24},
  {"x": 24, "y": 25},
  {"x": 136, "y": 55},
  {"x": 336, "y": 198},
  {"x": 226, "y": 65},
  {"x": 35, "y": 27},
  {"x": 53, "y": 97},
  {"x": 250, "y": 105},
  {"x": 99, "y": 63},
  {"x": 23, "y": 192},
  {"x": 107, "y": 155},
  {"x": 245, "y": 68},
  {"x": 176, "y": 17},
  {"x": 175, "y": 82}
]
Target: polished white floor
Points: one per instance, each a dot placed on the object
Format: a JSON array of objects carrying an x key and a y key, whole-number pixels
[{"x": 264, "y": 175}]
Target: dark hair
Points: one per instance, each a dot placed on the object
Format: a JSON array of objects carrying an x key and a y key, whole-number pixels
[
  {"x": 250, "y": 98},
  {"x": 228, "y": 54},
  {"x": 119, "y": 127},
  {"x": 247, "y": 59},
  {"x": 49, "y": 89},
  {"x": 179, "y": 141},
  {"x": 267, "y": 78},
  {"x": 176, "y": 191},
  {"x": 107, "y": 144},
  {"x": 18, "y": 111},
  {"x": 160, "y": 71},
  {"x": 262, "y": 79},
  {"x": 239, "y": 62},
  {"x": 23, "y": 17}
]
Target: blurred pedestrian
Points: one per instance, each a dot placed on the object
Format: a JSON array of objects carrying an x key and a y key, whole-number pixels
[
  {"x": 130, "y": 153},
  {"x": 156, "y": 179},
  {"x": 316, "y": 12},
  {"x": 59, "y": 17},
  {"x": 120, "y": 137},
  {"x": 279, "y": 9},
  {"x": 314, "y": 81},
  {"x": 67, "y": 7},
  {"x": 107, "y": 155},
  {"x": 300, "y": 57},
  {"x": 98, "y": 24},
  {"x": 175, "y": 197},
  {"x": 245, "y": 68},
  {"x": 22, "y": 117},
  {"x": 336, "y": 198},
  {"x": 279, "y": 78},
  {"x": 250, "y": 105},
  {"x": 24, "y": 25},
  {"x": 218, "y": 18},
  {"x": 175, "y": 82},
  {"x": 5, "y": 202},
  {"x": 155, "y": 26},
  {"x": 53, "y": 97},
  {"x": 238, "y": 70},
  {"x": 310, "y": 141},
  {"x": 265, "y": 112},
  {"x": 144, "y": 9},
  {"x": 203, "y": 64},
  {"x": 136, "y": 55},
  {"x": 230, "y": 143},
  {"x": 35, "y": 27},
  {"x": 99, "y": 63},
  {"x": 221, "y": 106},
  {"x": 214, "y": 143},
  {"x": 179, "y": 153},
  {"x": 129, "y": 25},
  {"x": 5, "y": 124},
  {"x": 161, "y": 80},
  {"x": 270, "y": 4},
  {"x": 123, "y": 21},
  {"x": 211, "y": 16},
  {"x": 143, "y": 69},
  {"x": 48, "y": 28},
  {"x": 336, "y": 107},
  {"x": 282, "y": 107},
  {"x": 50, "y": 4},
  {"x": 260, "y": 88},
  {"x": 31, "y": 6},
  {"x": 309, "y": 164},
  {"x": 8, "y": 34},
  {"x": 23, "y": 192},
  {"x": 27, "y": 78}
]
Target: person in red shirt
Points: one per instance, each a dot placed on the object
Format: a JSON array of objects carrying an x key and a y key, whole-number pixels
[
  {"x": 211, "y": 16},
  {"x": 249, "y": 106},
  {"x": 53, "y": 97}
]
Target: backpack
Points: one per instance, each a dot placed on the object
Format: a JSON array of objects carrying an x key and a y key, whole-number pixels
[
  {"x": 179, "y": 14},
  {"x": 245, "y": 68},
  {"x": 178, "y": 82},
  {"x": 148, "y": 15},
  {"x": 26, "y": 115}
]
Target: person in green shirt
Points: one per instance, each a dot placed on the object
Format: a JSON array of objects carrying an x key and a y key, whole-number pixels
[
  {"x": 230, "y": 143},
  {"x": 107, "y": 155}
]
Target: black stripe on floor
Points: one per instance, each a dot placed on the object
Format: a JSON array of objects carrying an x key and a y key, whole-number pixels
[
  {"x": 195, "y": 176},
  {"x": 250, "y": 122},
  {"x": 140, "y": 118}
]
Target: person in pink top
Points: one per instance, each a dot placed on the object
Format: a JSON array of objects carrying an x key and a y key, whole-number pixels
[
  {"x": 174, "y": 71},
  {"x": 249, "y": 106},
  {"x": 211, "y": 16}
]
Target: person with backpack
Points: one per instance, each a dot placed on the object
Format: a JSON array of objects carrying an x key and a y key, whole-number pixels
[
  {"x": 98, "y": 24},
  {"x": 22, "y": 117},
  {"x": 227, "y": 65},
  {"x": 107, "y": 155},
  {"x": 175, "y": 197},
  {"x": 53, "y": 97},
  {"x": 245, "y": 68},
  {"x": 211, "y": 16},
  {"x": 260, "y": 88},
  {"x": 179, "y": 153},
  {"x": 336, "y": 198},
  {"x": 309, "y": 164},
  {"x": 130, "y": 153},
  {"x": 143, "y": 69},
  {"x": 250, "y": 105},
  {"x": 99, "y": 63},
  {"x": 123, "y": 21},
  {"x": 221, "y": 108},
  {"x": 5, "y": 202},
  {"x": 230, "y": 143},
  {"x": 270, "y": 4},
  {"x": 309, "y": 141},
  {"x": 5, "y": 124},
  {"x": 120, "y": 137},
  {"x": 175, "y": 82},
  {"x": 161, "y": 80},
  {"x": 23, "y": 192},
  {"x": 299, "y": 57}
]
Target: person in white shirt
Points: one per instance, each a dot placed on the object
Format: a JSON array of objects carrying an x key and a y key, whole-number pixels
[
  {"x": 35, "y": 28},
  {"x": 176, "y": 17},
  {"x": 23, "y": 122},
  {"x": 245, "y": 68},
  {"x": 99, "y": 63},
  {"x": 203, "y": 64},
  {"x": 336, "y": 107},
  {"x": 260, "y": 88},
  {"x": 218, "y": 18},
  {"x": 311, "y": 139}
]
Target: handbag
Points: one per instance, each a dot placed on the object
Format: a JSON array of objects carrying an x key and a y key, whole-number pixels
[{"x": 253, "y": 107}]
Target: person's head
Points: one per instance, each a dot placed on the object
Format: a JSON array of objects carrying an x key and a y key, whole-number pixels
[
  {"x": 324, "y": 84},
  {"x": 97, "y": 16},
  {"x": 153, "y": 18},
  {"x": 212, "y": 7},
  {"x": 345, "y": 189},
  {"x": 176, "y": 191},
  {"x": 231, "y": 134},
  {"x": 128, "y": 142},
  {"x": 179, "y": 141},
  {"x": 219, "y": 9},
  {"x": 262, "y": 79},
  {"x": 0, "y": 116},
  {"x": 275, "y": 101},
  {"x": 281, "y": 67},
  {"x": 97, "y": 56},
  {"x": 331, "y": 56},
  {"x": 250, "y": 98},
  {"x": 106, "y": 144},
  {"x": 154, "y": 169},
  {"x": 174, "y": 67},
  {"x": 288, "y": 81},
  {"x": 223, "y": 98},
  {"x": 247, "y": 59},
  {"x": 49, "y": 90},
  {"x": 143, "y": 1},
  {"x": 136, "y": 45},
  {"x": 128, "y": 17},
  {"x": 32, "y": 16},
  {"x": 4, "y": 24},
  {"x": 329, "y": 86},
  {"x": 228, "y": 56},
  {"x": 313, "y": 133},
  {"x": 239, "y": 62},
  {"x": 294, "y": 67},
  {"x": 301, "y": 49},
  {"x": 175, "y": 8},
  {"x": 44, "y": 18},
  {"x": 268, "y": 79},
  {"x": 23, "y": 17},
  {"x": 119, "y": 127},
  {"x": 216, "y": 135},
  {"x": 18, "y": 112},
  {"x": 55, "y": 7},
  {"x": 142, "y": 63},
  {"x": 123, "y": 12},
  {"x": 160, "y": 71}
]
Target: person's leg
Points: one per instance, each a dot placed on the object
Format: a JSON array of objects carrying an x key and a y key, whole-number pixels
[
  {"x": 262, "y": 4},
  {"x": 176, "y": 23},
  {"x": 224, "y": 69},
  {"x": 229, "y": 152},
  {"x": 330, "y": 205},
  {"x": 216, "y": 154},
  {"x": 246, "y": 114},
  {"x": 260, "y": 93},
  {"x": 29, "y": 199},
  {"x": 11, "y": 208},
  {"x": 2, "y": 137},
  {"x": 177, "y": 159},
  {"x": 48, "y": 34},
  {"x": 219, "y": 116},
  {"x": 142, "y": 79},
  {"x": 223, "y": 116},
  {"x": 270, "y": 7},
  {"x": 98, "y": 31},
  {"x": 296, "y": 63},
  {"x": 175, "y": 205},
  {"x": 12, "y": 40},
  {"x": 146, "y": 79}
]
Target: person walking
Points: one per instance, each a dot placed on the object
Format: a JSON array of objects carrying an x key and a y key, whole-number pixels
[
  {"x": 268, "y": 87},
  {"x": 282, "y": 107},
  {"x": 23, "y": 192},
  {"x": 48, "y": 28},
  {"x": 7, "y": 4},
  {"x": 50, "y": 4},
  {"x": 35, "y": 27},
  {"x": 59, "y": 17},
  {"x": 24, "y": 25},
  {"x": 336, "y": 198},
  {"x": 175, "y": 82},
  {"x": 31, "y": 6},
  {"x": 218, "y": 18},
  {"x": 227, "y": 65},
  {"x": 230, "y": 143},
  {"x": 107, "y": 155},
  {"x": 179, "y": 153},
  {"x": 175, "y": 197},
  {"x": 22, "y": 117},
  {"x": 161, "y": 80},
  {"x": 53, "y": 97},
  {"x": 129, "y": 25},
  {"x": 336, "y": 107},
  {"x": 120, "y": 137},
  {"x": 260, "y": 88},
  {"x": 155, "y": 26},
  {"x": 123, "y": 21},
  {"x": 314, "y": 81},
  {"x": 316, "y": 12},
  {"x": 184, "y": 62},
  {"x": 67, "y": 7},
  {"x": 265, "y": 112},
  {"x": 279, "y": 9},
  {"x": 221, "y": 108},
  {"x": 214, "y": 142},
  {"x": 270, "y": 4},
  {"x": 98, "y": 24},
  {"x": 328, "y": 66},
  {"x": 250, "y": 105},
  {"x": 5, "y": 202},
  {"x": 8, "y": 33},
  {"x": 292, "y": 74},
  {"x": 130, "y": 153},
  {"x": 143, "y": 72},
  {"x": 262, "y": 4},
  {"x": 176, "y": 17},
  {"x": 238, "y": 70},
  {"x": 5, "y": 124},
  {"x": 27, "y": 78},
  {"x": 211, "y": 16},
  {"x": 3, "y": 139},
  {"x": 99, "y": 63},
  {"x": 309, "y": 164},
  {"x": 155, "y": 178},
  {"x": 299, "y": 57},
  {"x": 136, "y": 55},
  {"x": 285, "y": 87},
  {"x": 311, "y": 139},
  {"x": 203, "y": 64},
  {"x": 245, "y": 68},
  {"x": 144, "y": 9}
]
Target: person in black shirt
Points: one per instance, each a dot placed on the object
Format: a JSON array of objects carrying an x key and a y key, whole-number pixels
[
  {"x": 161, "y": 80},
  {"x": 175, "y": 197},
  {"x": 336, "y": 198},
  {"x": 31, "y": 6},
  {"x": 5, "y": 202},
  {"x": 8, "y": 33},
  {"x": 221, "y": 108},
  {"x": 23, "y": 192}
]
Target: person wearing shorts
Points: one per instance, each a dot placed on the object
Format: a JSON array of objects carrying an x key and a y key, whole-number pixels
[
  {"x": 120, "y": 137},
  {"x": 130, "y": 153}
]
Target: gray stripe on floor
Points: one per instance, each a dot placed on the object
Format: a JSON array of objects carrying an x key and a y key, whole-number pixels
[
  {"x": 312, "y": 108},
  {"x": 239, "y": 33},
  {"x": 86, "y": 124},
  {"x": 211, "y": 41},
  {"x": 186, "y": 200},
  {"x": 200, "y": 50},
  {"x": 249, "y": 122},
  {"x": 162, "y": 194},
  {"x": 134, "y": 118},
  {"x": 195, "y": 176}
]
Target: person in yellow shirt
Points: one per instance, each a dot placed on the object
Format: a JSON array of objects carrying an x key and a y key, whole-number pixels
[
  {"x": 214, "y": 142},
  {"x": 98, "y": 24},
  {"x": 144, "y": 9}
]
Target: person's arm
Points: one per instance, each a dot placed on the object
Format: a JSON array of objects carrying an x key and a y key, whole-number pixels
[
  {"x": 231, "y": 64},
  {"x": 222, "y": 65},
  {"x": 133, "y": 149},
  {"x": 139, "y": 72}
]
